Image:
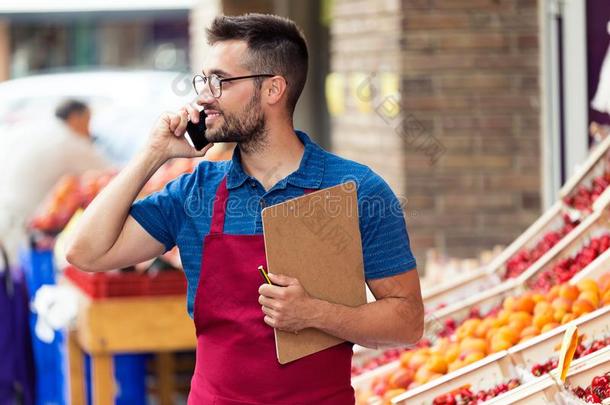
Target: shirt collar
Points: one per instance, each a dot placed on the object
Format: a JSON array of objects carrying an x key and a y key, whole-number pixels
[{"x": 308, "y": 175}]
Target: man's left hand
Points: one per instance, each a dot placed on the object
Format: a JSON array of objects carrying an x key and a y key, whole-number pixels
[{"x": 287, "y": 306}]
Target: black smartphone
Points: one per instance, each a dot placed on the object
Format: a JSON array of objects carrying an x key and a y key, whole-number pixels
[{"x": 195, "y": 133}]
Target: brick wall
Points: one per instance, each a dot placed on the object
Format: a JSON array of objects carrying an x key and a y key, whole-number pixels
[{"x": 467, "y": 151}]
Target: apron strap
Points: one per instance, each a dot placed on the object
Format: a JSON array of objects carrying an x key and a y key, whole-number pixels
[{"x": 220, "y": 206}]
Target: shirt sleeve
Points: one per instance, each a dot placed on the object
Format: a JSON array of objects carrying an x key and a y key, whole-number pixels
[
  {"x": 162, "y": 214},
  {"x": 385, "y": 240}
]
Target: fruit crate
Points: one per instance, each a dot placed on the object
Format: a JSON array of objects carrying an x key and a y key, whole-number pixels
[
  {"x": 552, "y": 221},
  {"x": 484, "y": 302},
  {"x": 583, "y": 370},
  {"x": 595, "y": 270},
  {"x": 127, "y": 284},
  {"x": 595, "y": 166},
  {"x": 542, "y": 347},
  {"x": 594, "y": 226},
  {"x": 544, "y": 390},
  {"x": 458, "y": 288},
  {"x": 484, "y": 374},
  {"x": 540, "y": 391}
]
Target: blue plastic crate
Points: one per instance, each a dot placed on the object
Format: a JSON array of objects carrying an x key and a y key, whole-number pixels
[
  {"x": 51, "y": 358},
  {"x": 129, "y": 375}
]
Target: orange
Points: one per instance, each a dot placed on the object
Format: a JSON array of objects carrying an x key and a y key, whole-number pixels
[
  {"x": 562, "y": 303},
  {"x": 543, "y": 318},
  {"x": 606, "y": 298},
  {"x": 580, "y": 307},
  {"x": 590, "y": 296},
  {"x": 529, "y": 331},
  {"x": 473, "y": 344},
  {"x": 520, "y": 318},
  {"x": 387, "y": 397},
  {"x": 401, "y": 378},
  {"x": 604, "y": 282},
  {"x": 553, "y": 292},
  {"x": 588, "y": 284},
  {"x": 538, "y": 297},
  {"x": 455, "y": 365},
  {"x": 468, "y": 328},
  {"x": 526, "y": 338},
  {"x": 502, "y": 317},
  {"x": 423, "y": 375},
  {"x": 499, "y": 344},
  {"x": 569, "y": 291},
  {"x": 418, "y": 359},
  {"x": 549, "y": 326},
  {"x": 541, "y": 307},
  {"x": 567, "y": 318},
  {"x": 510, "y": 304},
  {"x": 437, "y": 364},
  {"x": 508, "y": 333},
  {"x": 440, "y": 346},
  {"x": 406, "y": 357},
  {"x": 559, "y": 314},
  {"x": 474, "y": 356},
  {"x": 492, "y": 331},
  {"x": 483, "y": 327},
  {"x": 525, "y": 303},
  {"x": 452, "y": 353}
]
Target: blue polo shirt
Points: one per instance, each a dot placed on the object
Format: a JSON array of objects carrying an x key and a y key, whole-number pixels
[{"x": 180, "y": 214}]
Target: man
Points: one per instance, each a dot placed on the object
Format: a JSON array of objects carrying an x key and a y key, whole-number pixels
[
  {"x": 249, "y": 86},
  {"x": 33, "y": 158}
]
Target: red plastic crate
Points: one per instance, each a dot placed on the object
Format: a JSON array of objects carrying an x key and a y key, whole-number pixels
[{"x": 105, "y": 285}]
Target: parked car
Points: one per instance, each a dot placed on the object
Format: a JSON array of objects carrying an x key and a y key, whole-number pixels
[{"x": 125, "y": 104}]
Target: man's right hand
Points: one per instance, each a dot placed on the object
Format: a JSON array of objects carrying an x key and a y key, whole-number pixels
[
  {"x": 167, "y": 139},
  {"x": 107, "y": 237}
]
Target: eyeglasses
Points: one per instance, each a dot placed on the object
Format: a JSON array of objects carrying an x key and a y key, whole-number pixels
[{"x": 215, "y": 82}]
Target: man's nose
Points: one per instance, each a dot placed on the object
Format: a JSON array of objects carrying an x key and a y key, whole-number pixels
[{"x": 205, "y": 97}]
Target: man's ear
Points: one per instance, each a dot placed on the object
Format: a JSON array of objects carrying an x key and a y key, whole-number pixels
[{"x": 274, "y": 89}]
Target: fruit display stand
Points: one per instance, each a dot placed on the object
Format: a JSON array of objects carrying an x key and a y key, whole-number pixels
[
  {"x": 108, "y": 326},
  {"x": 551, "y": 223},
  {"x": 504, "y": 296},
  {"x": 493, "y": 370}
]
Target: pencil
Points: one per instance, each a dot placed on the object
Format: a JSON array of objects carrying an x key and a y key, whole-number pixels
[{"x": 264, "y": 274}]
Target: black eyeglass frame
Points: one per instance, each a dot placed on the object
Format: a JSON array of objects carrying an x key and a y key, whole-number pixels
[{"x": 221, "y": 80}]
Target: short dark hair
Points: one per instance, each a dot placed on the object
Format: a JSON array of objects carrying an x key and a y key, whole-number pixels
[
  {"x": 276, "y": 45},
  {"x": 69, "y": 107}
]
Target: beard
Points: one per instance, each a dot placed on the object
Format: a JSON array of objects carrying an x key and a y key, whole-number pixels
[{"x": 247, "y": 128}]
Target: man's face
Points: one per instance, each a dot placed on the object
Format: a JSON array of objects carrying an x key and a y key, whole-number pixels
[
  {"x": 79, "y": 122},
  {"x": 237, "y": 115}
]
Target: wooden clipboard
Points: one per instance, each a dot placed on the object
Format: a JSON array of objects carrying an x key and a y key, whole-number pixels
[{"x": 316, "y": 238}]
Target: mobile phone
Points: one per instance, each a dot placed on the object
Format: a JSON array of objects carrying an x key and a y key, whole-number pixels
[{"x": 195, "y": 133}]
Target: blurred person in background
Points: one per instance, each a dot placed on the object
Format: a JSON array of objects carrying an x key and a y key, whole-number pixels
[{"x": 33, "y": 157}]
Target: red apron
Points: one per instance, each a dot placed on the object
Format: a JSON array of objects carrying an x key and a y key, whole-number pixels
[{"x": 236, "y": 360}]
